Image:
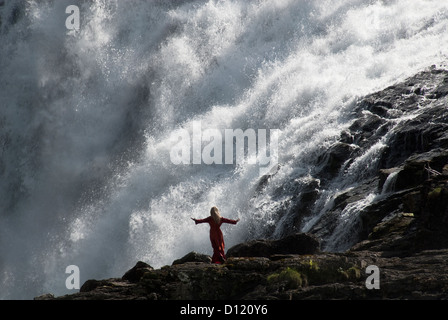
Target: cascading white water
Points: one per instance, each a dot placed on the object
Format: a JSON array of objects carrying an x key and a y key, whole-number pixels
[{"x": 86, "y": 119}]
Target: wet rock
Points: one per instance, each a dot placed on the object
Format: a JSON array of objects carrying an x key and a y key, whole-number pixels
[
  {"x": 333, "y": 159},
  {"x": 416, "y": 220},
  {"x": 420, "y": 167},
  {"x": 411, "y": 121}
]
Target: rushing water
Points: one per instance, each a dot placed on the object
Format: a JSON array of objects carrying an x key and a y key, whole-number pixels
[{"x": 87, "y": 119}]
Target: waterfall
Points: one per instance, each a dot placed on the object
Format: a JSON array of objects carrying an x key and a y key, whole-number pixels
[{"x": 88, "y": 116}]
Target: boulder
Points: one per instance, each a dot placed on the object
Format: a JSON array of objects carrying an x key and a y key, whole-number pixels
[
  {"x": 193, "y": 257},
  {"x": 135, "y": 274},
  {"x": 299, "y": 243}
]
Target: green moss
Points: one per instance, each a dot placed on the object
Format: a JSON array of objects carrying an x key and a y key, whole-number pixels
[
  {"x": 313, "y": 266},
  {"x": 332, "y": 272},
  {"x": 292, "y": 279},
  {"x": 352, "y": 273},
  {"x": 435, "y": 193},
  {"x": 410, "y": 215},
  {"x": 312, "y": 273}
]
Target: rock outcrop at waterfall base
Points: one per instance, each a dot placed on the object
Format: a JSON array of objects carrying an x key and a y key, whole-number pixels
[{"x": 404, "y": 232}]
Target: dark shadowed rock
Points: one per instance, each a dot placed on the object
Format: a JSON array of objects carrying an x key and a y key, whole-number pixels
[
  {"x": 411, "y": 120},
  {"x": 134, "y": 274},
  {"x": 253, "y": 248},
  {"x": 319, "y": 276},
  {"x": 92, "y": 284},
  {"x": 299, "y": 243},
  {"x": 193, "y": 257},
  {"x": 331, "y": 161}
]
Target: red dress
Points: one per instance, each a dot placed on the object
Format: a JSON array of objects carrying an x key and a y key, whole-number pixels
[{"x": 216, "y": 237}]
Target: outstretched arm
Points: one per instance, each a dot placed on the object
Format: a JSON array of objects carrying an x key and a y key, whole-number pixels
[
  {"x": 199, "y": 220},
  {"x": 225, "y": 220}
]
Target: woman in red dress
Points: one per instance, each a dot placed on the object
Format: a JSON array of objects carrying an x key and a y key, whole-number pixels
[{"x": 215, "y": 221}]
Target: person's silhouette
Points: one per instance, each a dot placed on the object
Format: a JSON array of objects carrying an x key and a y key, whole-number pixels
[{"x": 215, "y": 221}]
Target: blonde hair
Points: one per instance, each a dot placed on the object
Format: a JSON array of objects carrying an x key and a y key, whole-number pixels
[{"x": 214, "y": 212}]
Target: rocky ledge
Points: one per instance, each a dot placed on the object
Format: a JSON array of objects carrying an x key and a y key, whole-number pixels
[
  {"x": 403, "y": 232},
  {"x": 278, "y": 277}
]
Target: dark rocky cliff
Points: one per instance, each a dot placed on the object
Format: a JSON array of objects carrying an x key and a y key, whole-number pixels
[
  {"x": 410, "y": 119},
  {"x": 404, "y": 232}
]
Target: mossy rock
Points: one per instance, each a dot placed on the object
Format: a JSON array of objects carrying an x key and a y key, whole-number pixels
[
  {"x": 434, "y": 194},
  {"x": 353, "y": 273},
  {"x": 288, "y": 278},
  {"x": 329, "y": 272}
]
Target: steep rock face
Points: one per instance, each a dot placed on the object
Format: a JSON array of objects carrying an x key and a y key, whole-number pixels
[
  {"x": 419, "y": 220},
  {"x": 411, "y": 120}
]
